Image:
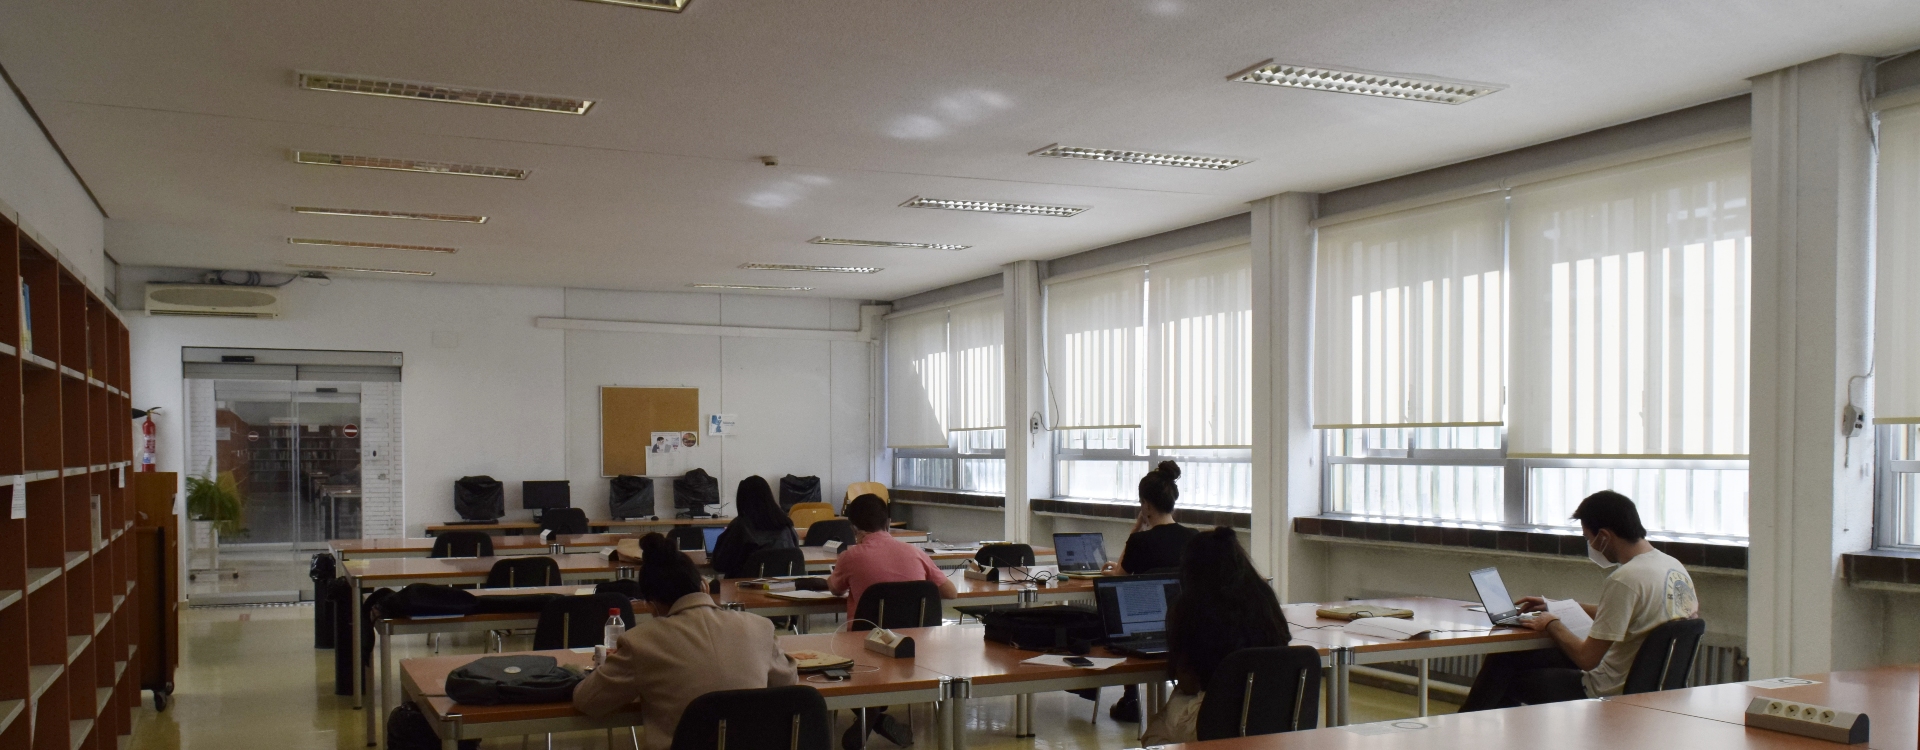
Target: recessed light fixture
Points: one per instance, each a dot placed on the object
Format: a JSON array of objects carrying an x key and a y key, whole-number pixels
[
  {"x": 370, "y": 213},
  {"x": 306, "y": 267},
  {"x": 370, "y": 245},
  {"x": 1140, "y": 157},
  {"x": 1390, "y": 85},
  {"x": 994, "y": 207},
  {"x": 816, "y": 269},
  {"x": 672, "y": 6},
  {"x": 433, "y": 92},
  {"x": 754, "y": 287},
  {"x": 408, "y": 165},
  {"x": 884, "y": 243}
]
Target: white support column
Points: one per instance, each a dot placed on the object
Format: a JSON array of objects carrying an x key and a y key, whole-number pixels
[
  {"x": 1812, "y": 167},
  {"x": 1029, "y": 451},
  {"x": 1286, "y": 471}
]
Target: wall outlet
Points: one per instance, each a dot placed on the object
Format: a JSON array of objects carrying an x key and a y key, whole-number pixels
[{"x": 1807, "y": 720}]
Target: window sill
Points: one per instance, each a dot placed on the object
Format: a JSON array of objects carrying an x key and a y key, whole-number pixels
[
  {"x": 1126, "y": 511},
  {"x": 1516, "y": 540},
  {"x": 980, "y": 500},
  {"x": 1893, "y": 569}
]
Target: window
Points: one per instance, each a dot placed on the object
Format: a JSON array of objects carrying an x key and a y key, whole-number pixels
[
  {"x": 1107, "y": 465},
  {"x": 945, "y": 399},
  {"x": 975, "y": 461},
  {"x": 1896, "y": 360}
]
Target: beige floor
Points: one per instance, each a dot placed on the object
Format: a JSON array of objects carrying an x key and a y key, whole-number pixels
[{"x": 249, "y": 678}]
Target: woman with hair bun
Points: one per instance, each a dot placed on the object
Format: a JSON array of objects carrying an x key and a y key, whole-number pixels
[{"x": 1154, "y": 547}]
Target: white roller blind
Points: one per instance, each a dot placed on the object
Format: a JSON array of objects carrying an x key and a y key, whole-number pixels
[
  {"x": 1096, "y": 338},
  {"x": 1410, "y": 325},
  {"x": 917, "y": 380},
  {"x": 978, "y": 330},
  {"x": 1896, "y": 328},
  {"x": 1199, "y": 351},
  {"x": 1630, "y": 309}
]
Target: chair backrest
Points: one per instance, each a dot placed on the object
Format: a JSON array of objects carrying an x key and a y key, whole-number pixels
[
  {"x": 1262, "y": 691},
  {"x": 784, "y": 561},
  {"x": 564, "y": 521},
  {"x": 808, "y": 514},
  {"x": 831, "y": 530},
  {"x": 867, "y": 488},
  {"x": 1004, "y": 555},
  {"x": 511, "y": 572},
  {"x": 902, "y": 604},
  {"x": 578, "y": 621},
  {"x": 687, "y": 537},
  {"x": 462, "y": 544},
  {"x": 1665, "y": 657},
  {"x": 792, "y": 717}
]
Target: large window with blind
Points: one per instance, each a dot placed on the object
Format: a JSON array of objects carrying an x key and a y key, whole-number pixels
[
  {"x": 1896, "y": 330},
  {"x": 945, "y": 398},
  {"x": 1498, "y": 358}
]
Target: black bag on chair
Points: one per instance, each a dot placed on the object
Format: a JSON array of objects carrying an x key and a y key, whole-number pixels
[
  {"x": 480, "y": 498},
  {"x": 1045, "y": 628},
  {"x": 322, "y": 571},
  {"x": 798, "y": 490},
  {"x": 494, "y": 680},
  {"x": 408, "y": 729},
  {"x": 630, "y": 497},
  {"x": 696, "y": 487}
]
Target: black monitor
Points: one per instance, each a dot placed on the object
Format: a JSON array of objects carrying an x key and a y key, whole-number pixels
[{"x": 545, "y": 495}]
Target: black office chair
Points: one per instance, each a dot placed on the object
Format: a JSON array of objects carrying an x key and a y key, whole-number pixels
[
  {"x": 902, "y": 604},
  {"x": 564, "y": 521},
  {"x": 578, "y": 621},
  {"x": 687, "y": 537},
  {"x": 1004, "y": 555},
  {"x": 1666, "y": 657},
  {"x": 836, "y": 530},
  {"x": 511, "y": 572},
  {"x": 462, "y": 544},
  {"x": 784, "y": 561},
  {"x": 793, "y": 717},
  {"x": 1262, "y": 691}
]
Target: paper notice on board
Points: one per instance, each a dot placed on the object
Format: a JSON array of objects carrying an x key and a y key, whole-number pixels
[
  {"x": 19, "y": 498},
  {"x": 1572, "y": 615},
  {"x": 721, "y": 424}
]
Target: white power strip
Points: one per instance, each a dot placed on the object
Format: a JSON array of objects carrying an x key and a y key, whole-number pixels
[{"x": 1807, "y": 720}]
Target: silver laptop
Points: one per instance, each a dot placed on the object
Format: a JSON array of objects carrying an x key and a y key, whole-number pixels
[
  {"x": 1494, "y": 598},
  {"x": 1083, "y": 553}
]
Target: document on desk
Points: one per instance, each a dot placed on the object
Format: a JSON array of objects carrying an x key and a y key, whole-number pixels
[
  {"x": 801, "y": 596},
  {"x": 1572, "y": 615},
  {"x": 1060, "y": 660},
  {"x": 1391, "y": 628}
]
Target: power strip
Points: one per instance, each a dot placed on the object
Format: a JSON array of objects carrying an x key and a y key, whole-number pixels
[{"x": 1807, "y": 720}]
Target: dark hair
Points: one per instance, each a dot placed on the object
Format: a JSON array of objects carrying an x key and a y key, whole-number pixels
[
  {"x": 666, "y": 573},
  {"x": 1157, "y": 488},
  {"x": 753, "y": 501},
  {"x": 869, "y": 513},
  {"x": 1224, "y": 606},
  {"x": 1612, "y": 511}
]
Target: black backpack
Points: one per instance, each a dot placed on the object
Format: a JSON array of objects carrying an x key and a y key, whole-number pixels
[
  {"x": 630, "y": 497},
  {"x": 408, "y": 729},
  {"x": 696, "y": 487},
  {"x": 798, "y": 490},
  {"x": 428, "y": 600},
  {"x": 480, "y": 498},
  {"x": 1067, "y": 626},
  {"x": 494, "y": 680}
]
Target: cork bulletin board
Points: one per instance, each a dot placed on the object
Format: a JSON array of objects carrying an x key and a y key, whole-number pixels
[{"x": 629, "y": 416}]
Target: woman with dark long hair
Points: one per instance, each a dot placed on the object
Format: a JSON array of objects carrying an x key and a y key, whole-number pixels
[
  {"x": 1224, "y": 606},
  {"x": 758, "y": 524}
]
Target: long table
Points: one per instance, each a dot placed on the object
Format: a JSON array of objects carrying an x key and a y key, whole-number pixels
[
  {"x": 821, "y": 559},
  {"x": 521, "y": 527},
  {"x": 511, "y": 544},
  {"x": 1889, "y": 696}
]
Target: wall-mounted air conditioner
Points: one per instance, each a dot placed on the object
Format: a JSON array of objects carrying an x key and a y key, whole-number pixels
[{"x": 213, "y": 301}]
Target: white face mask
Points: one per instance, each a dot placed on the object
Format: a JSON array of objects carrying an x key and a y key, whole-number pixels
[{"x": 1599, "y": 559}]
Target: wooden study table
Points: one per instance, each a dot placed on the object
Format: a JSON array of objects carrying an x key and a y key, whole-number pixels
[
  {"x": 821, "y": 559},
  {"x": 1889, "y": 696},
  {"x": 971, "y": 593},
  {"x": 368, "y": 549},
  {"x": 610, "y": 525}
]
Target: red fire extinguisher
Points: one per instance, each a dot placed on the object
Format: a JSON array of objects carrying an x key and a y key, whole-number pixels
[{"x": 146, "y": 450}]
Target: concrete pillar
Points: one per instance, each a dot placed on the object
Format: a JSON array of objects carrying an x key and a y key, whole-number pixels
[
  {"x": 1286, "y": 470},
  {"x": 1812, "y": 253},
  {"x": 1029, "y": 448}
]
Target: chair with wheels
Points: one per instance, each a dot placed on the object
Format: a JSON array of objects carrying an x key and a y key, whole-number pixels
[
  {"x": 1666, "y": 657},
  {"x": 564, "y": 521},
  {"x": 785, "y": 561},
  {"x": 793, "y": 717},
  {"x": 462, "y": 544},
  {"x": 807, "y": 514},
  {"x": 901, "y": 604},
  {"x": 1004, "y": 555},
  {"x": 1262, "y": 691},
  {"x": 831, "y": 530},
  {"x": 687, "y": 537}
]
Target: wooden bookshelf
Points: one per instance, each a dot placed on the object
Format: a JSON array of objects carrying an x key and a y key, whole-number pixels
[{"x": 67, "y": 568}]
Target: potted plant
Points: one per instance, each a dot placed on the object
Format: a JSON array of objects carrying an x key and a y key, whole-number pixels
[{"x": 213, "y": 504}]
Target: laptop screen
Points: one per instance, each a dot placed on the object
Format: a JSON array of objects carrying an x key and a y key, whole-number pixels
[
  {"x": 1493, "y": 593},
  {"x": 712, "y": 534},
  {"x": 1135, "y": 605},
  {"x": 1080, "y": 551}
]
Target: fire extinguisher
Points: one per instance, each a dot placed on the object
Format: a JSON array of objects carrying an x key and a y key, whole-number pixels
[{"x": 146, "y": 449}]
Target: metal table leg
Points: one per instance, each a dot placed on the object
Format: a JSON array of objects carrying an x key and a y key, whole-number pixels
[
  {"x": 1423, "y": 687},
  {"x": 389, "y": 698},
  {"x": 962, "y": 690},
  {"x": 1342, "y": 664},
  {"x": 943, "y": 716},
  {"x": 359, "y": 667}
]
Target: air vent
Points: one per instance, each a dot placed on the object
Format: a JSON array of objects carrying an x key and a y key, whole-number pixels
[
  {"x": 370, "y": 213},
  {"x": 212, "y": 301},
  {"x": 1366, "y": 83},
  {"x": 1148, "y": 158},
  {"x": 409, "y": 165},
  {"x": 995, "y": 207},
  {"x": 753, "y": 287},
  {"x": 359, "y": 270},
  {"x": 370, "y": 245},
  {"x": 433, "y": 92},
  {"x": 884, "y": 243},
  {"x": 671, "y": 6},
  {"x": 815, "y": 269}
]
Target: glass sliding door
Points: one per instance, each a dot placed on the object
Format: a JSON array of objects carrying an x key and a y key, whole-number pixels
[{"x": 291, "y": 451}]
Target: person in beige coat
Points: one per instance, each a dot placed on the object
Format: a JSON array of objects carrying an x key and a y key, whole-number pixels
[{"x": 690, "y": 648}]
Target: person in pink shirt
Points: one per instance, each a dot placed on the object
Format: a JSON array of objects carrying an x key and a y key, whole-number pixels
[{"x": 877, "y": 557}]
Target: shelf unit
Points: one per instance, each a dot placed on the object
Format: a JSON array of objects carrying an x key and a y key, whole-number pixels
[{"x": 67, "y": 567}]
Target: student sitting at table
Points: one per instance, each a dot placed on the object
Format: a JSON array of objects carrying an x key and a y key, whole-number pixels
[
  {"x": 1154, "y": 546},
  {"x": 877, "y": 557},
  {"x": 1647, "y": 589},
  {"x": 758, "y": 524},
  {"x": 1224, "y": 606},
  {"x": 690, "y": 648}
]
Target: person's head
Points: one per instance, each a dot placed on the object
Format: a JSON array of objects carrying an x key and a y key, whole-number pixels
[
  {"x": 868, "y": 514},
  {"x": 1157, "y": 489},
  {"x": 753, "y": 501},
  {"x": 1609, "y": 520},
  {"x": 666, "y": 573}
]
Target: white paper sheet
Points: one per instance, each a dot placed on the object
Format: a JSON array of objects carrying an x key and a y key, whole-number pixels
[
  {"x": 1060, "y": 660},
  {"x": 1392, "y": 628},
  {"x": 801, "y": 596},
  {"x": 1572, "y": 615},
  {"x": 19, "y": 498},
  {"x": 1779, "y": 682}
]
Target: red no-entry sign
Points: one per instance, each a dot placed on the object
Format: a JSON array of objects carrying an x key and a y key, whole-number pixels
[{"x": 352, "y": 430}]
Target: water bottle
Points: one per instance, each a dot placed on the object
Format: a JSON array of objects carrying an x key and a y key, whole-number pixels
[{"x": 614, "y": 628}]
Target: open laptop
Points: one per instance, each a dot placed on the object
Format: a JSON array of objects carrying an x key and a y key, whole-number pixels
[
  {"x": 711, "y": 535},
  {"x": 1080, "y": 554},
  {"x": 1134, "y": 610},
  {"x": 1494, "y": 598}
]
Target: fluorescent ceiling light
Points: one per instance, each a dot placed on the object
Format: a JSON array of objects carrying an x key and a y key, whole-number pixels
[
  {"x": 304, "y": 266},
  {"x": 408, "y": 165},
  {"x": 817, "y": 269},
  {"x": 1140, "y": 157},
  {"x": 754, "y": 287},
  {"x": 378, "y": 214},
  {"x": 674, "y": 6},
  {"x": 996, "y": 207},
  {"x": 433, "y": 92},
  {"x": 1367, "y": 83},
  {"x": 884, "y": 243},
  {"x": 370, "y": 245}
]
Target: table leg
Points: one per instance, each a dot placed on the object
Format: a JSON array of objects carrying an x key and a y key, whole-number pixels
[
  {"x": 388, "y": 698},
  {"x": 360, "y": 698},
  {"x": 961, "y": 691},
  {"x": 1342, "y": 661},
  {"x": 1423, "y": 687}
]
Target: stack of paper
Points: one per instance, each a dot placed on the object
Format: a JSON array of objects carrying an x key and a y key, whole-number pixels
[
  {"x": 1391, "y": 628},
  {"x": 801, "y": 596}
]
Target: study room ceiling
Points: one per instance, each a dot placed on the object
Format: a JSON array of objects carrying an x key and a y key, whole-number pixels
[{"x": 182, "y": 117}]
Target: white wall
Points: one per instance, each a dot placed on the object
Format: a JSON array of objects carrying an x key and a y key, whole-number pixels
[{"x": 43, "y": 195}]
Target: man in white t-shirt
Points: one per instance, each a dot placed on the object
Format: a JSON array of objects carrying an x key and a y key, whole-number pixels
[{"x": 1647, "y": 589}]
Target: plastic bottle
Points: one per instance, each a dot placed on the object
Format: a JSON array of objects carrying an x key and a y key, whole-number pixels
[{"x": 615, "y": 627}]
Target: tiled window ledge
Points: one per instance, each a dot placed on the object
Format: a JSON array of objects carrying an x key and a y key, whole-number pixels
[
  {"x": 1892, "y": 569},
  {"x": 944, "y": 497},
  {"x": 1126, "y": 512},
  {"x": 1727, "y": 556}
]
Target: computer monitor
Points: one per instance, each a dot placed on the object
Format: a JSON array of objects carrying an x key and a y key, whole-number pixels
[
  {"x": 711, "y": 535},
  {"x": 545, "y": 495},
  {"x": 1132, "y": 606},
  {"x": 1080, "y": 552}
]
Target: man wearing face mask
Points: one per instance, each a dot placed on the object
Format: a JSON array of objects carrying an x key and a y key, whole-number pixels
[{"x": 1645, "y": 589}]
